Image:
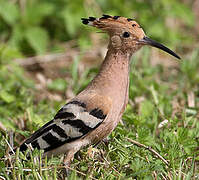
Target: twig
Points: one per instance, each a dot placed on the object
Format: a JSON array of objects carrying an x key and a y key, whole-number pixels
[
  {"x": 191, "y": 99},
  {"x": 9, "y": 146},
  {"x": 2, "y": 178},
  {"x": 163, "y": 177},
  {"x": 11, "y": 138},
  {"x": 29, "y": 61},
  {"x": 154, "y": 175},
  {"x": 41, "y": 59},
  {"x": 39, "y": 176},
  {"x": 148, "y": 148}
]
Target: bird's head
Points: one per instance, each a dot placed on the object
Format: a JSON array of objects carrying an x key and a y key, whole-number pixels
[{"x": 125, "y": 33}]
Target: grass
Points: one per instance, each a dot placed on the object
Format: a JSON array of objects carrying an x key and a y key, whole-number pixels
[{"x": 158, "y": 93}]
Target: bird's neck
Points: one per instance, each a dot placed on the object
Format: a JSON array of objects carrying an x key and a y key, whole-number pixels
[
  {"x": 113, "y": 77},
  {"x": 115, "y": 61}
]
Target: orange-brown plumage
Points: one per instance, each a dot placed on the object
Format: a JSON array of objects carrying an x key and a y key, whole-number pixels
[{"x": 95, "y": 112}]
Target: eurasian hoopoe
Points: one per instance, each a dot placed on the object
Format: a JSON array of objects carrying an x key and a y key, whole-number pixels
[{"x": 95, "y": 112}]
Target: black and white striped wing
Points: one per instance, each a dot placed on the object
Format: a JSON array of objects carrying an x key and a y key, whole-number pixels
[{"x": 72, "y": 122}]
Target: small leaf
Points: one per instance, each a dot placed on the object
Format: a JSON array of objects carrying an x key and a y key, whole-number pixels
[
  {"x": 5, "y": 96},
  {"x": 7, "y": 53},
  {"x": 9, "y": 11},
  {"x": 38, "y": 39}
]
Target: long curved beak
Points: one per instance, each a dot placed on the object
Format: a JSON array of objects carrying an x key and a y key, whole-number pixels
[{"x": 148, "y": 41}]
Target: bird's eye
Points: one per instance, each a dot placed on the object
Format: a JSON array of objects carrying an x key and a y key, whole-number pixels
[
  {"x": 126, "y": 34},
  {"x": 133, "y": 25}
]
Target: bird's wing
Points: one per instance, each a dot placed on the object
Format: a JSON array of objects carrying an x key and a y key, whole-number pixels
[{"x": 73, "y": 121}]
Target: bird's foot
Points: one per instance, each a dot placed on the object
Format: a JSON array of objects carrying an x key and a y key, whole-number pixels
[
  {"x": 66, "y": 163},
  {"x": 91, "y": 152},
  {"x": 105, "y": 141},
  {"x": 65, "y": 171}
]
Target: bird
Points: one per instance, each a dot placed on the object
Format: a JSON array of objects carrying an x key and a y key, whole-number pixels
[{"x": 94, "y": 113}]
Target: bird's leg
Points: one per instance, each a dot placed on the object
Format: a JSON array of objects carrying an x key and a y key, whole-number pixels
[
  {"x": 67, "y": 161},
  {"x": 105, "y": 141},
  {"x": 92, "y": 150}
]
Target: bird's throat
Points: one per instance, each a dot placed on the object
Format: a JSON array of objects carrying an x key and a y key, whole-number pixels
[{"x": 113, "y": 77}]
